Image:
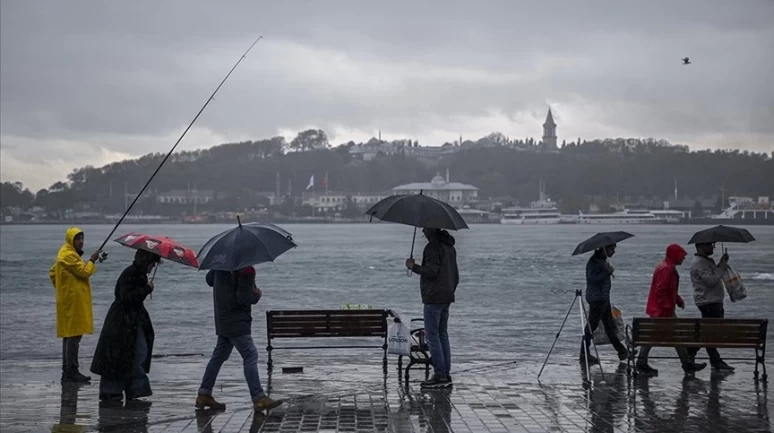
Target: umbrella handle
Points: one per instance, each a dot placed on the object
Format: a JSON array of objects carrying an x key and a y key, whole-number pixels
[
  {"x": 411, "y": 255},
  {"x": 607, "y": 258},
  {"x": 155, "y": 268}
]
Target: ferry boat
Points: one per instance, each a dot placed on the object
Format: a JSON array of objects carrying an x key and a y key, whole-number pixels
[
  {"x": 543, "y": 211},
  {"x": 626, "y": 216},
  {"x": 742, "y": 211}
]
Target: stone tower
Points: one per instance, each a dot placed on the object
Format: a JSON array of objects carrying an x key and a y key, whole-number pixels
[{"x": 549, "y": 132}]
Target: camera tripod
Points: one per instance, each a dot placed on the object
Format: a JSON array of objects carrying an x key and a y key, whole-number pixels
[{"x": 585, "y": 349}]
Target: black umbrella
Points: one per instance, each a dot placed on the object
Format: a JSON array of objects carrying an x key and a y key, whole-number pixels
[
  {"x": 600, "y": 240},
  {"x": 245, "y": 245},
  {"x": 722, "y": 234},
  {"x": 417, "y": 210}
]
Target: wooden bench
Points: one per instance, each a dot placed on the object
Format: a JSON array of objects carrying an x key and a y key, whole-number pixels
[
  {"x": 327, "y": 324},
  {"x": 699, "y": 333}
]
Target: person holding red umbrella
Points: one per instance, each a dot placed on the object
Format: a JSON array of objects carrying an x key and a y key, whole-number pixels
[{"x": 123, "y": 354}]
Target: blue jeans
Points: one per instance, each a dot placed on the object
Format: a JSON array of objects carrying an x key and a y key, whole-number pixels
[
  {"x": 245, "y": 346},
  {"x": 437, "y": 337},
  {"x": 138, "y": 384}
]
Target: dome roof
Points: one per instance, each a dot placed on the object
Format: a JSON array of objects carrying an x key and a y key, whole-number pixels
[{"x": 438, "y": 179}]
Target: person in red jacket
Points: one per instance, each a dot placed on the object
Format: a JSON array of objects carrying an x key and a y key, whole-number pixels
[{"x": 662, "y": 300}]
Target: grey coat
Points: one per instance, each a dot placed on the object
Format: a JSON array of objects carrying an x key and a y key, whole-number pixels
[{"x": 707, "y": 281}]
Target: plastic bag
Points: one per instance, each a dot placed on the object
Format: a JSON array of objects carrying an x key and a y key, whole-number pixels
[
  {"x": 399, "y": 339},
  {"x": 600, "y": 336},
  {"x": 734, "y": 285}
]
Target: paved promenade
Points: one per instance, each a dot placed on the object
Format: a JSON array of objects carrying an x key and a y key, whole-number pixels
[{"x": 334, "y": 395}]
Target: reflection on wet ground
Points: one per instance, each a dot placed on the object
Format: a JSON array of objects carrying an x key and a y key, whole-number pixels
[{"x": 334, "y": 396}]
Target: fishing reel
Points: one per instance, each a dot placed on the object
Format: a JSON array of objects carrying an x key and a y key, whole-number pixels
[{"x": 103, "y": 257}]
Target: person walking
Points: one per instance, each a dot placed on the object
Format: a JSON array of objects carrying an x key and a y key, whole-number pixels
[
  {"x": 74, "y": 317},
  {"x": 598, "y": 285},
  {"x": 709, "y": 293},
  {"x": 662, "y": 300},
  {"x": 125, "y": 347},
  {"x": 439, "y": 277},
  {"x": 234, "y": 294}
]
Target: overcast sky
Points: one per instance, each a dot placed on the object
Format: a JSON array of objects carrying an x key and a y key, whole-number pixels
[{"x": 93, "y": 82}]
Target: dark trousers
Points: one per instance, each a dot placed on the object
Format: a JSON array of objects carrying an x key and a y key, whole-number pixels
[
  {"x": 70, "y": 347},
  {"x": 601, "y": 311},
  {"x": 713, "y": 311},
  {"x": 135, "y": 385}
]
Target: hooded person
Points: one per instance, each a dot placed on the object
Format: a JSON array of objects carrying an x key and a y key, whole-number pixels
[
  {"x": 74, "y": 317},
  {"x": 662, "y": 300},
  {"x": 125, "y": 346},
  {"x": 438, "y": 280}
]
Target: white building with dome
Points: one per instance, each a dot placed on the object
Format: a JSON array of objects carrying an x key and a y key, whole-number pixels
[{"x": 455, "y": 193}]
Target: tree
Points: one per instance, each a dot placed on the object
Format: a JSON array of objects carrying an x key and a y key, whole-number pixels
[
  {"x": 309, "y": 140},
  {"x": 14, "y": 194}
]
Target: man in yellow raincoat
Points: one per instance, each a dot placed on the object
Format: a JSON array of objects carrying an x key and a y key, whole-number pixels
[{"x": 74, "y": 318}]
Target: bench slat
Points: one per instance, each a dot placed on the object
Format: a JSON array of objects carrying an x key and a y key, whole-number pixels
[
  {"x": 710, "y": 332},
  {"x": 717, "y": 345}
]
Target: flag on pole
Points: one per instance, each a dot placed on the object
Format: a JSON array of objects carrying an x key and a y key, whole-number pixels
[
  {"x": 324, "y": 183},
  {"x": 311, "y": 183}
]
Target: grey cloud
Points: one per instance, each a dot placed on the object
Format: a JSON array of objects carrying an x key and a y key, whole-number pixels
[{"x": 83, "y": 70}]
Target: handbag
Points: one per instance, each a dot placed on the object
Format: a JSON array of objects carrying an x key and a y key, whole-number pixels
[
  {"x": 399, "y": 339},
  {"x": 734, "y": 285}
]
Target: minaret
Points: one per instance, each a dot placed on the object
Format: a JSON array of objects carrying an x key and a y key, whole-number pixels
[
  {"x": 277, "y": 187},
  {"x": 447, "y": 174},
  {"x": 549, "y": 132}
]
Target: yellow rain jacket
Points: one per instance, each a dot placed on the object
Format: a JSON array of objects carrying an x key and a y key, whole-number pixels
[{"x": 70, "y": 277}]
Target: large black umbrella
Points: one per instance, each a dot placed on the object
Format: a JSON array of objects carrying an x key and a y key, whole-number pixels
[
  {"x": 417, "y": 210},
  {"x": 245, "y": 245},
  {"x": 722, "y": 234},
  {"x": 600, "y": 240}
]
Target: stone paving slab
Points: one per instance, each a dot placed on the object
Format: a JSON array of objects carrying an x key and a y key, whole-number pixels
[{"x": 334, "y": 395}]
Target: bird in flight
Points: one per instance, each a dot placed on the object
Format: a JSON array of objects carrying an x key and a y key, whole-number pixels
[{"x": 686, "y": 61}]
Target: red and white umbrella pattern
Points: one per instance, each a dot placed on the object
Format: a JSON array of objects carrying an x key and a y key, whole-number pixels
[{"x": 161, "y": 245}]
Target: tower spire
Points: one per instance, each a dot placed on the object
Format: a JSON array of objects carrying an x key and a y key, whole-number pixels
[{"x": 549, "y": 132}]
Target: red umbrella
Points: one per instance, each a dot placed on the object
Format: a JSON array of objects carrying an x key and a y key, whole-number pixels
[{"x": 161, "y": 245}]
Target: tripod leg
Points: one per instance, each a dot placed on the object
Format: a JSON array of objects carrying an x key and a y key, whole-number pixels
[
  {"x": 596, "y": 351},
  {"x": 557, "y": 335}
]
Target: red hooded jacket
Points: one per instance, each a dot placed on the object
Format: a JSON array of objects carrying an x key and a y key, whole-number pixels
[{"x": 663, "y": 296}]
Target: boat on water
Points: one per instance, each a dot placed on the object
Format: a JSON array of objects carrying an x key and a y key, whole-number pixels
[
  {"x": 542, "y": 211},
  {"x": 741, "y": 211},
  {"x": 626, "y": 216}
]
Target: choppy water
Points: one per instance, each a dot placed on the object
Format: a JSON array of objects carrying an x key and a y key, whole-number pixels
[{"x": 516, "y": 283}]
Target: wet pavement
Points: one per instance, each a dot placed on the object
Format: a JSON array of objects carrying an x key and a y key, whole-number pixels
[{"x": 346, "y": 395}]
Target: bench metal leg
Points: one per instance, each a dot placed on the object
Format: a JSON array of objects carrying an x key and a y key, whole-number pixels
[
  {"x": 384, "y": 360},
  {"x": 269, "y": 363}
]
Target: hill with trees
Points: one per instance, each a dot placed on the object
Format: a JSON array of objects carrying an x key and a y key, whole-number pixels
[{"x": 500, "y": 167}]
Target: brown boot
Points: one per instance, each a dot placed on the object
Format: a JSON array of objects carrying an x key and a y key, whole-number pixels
[
  {"x": 265, "y": 403},
  {"x": 206, "y": 401}
]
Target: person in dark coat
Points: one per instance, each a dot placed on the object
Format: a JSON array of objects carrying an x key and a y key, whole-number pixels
[
  {"x": 438, "y": 282},
  {"x": 234, "y": 294},
  {"x": 123, "y": 354},
  {"x": 598, "y": 273}
]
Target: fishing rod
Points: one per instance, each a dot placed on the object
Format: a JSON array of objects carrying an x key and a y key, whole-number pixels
[{"x": 139, "y": 194}]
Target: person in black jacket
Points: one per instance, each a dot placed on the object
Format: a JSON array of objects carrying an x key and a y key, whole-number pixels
[
  {"x": 598, "y": 273},
  {"x": 123, "y": 354},
  {"x": 234, "y": 294},
  {"x": 438, "y": 282}
]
